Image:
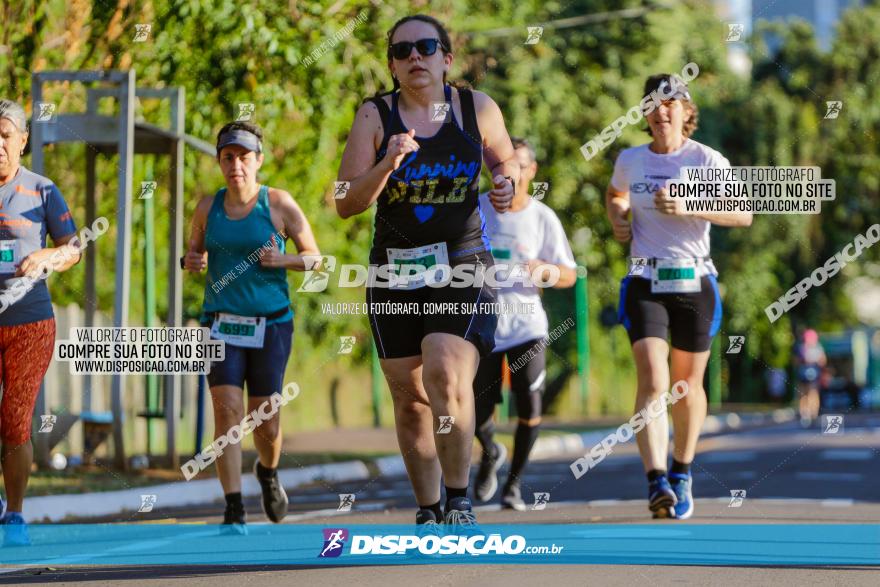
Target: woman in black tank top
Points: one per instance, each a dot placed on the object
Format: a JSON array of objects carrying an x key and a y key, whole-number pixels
[
  {"x": 417, "y": 152},
  {"x": 432, "y": 196}
]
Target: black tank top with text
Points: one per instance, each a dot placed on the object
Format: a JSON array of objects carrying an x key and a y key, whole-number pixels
[{"x": 433, "y": 196}]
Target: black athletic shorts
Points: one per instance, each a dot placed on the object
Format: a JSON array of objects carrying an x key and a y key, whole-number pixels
[
  {"x": 400, "y": 319},
  {"x": 262, "y": 369},
  {"x": 692, "y": 318}
]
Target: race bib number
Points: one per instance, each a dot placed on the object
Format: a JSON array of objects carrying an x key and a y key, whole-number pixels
[
  {"x": 8, "y": 256},
  {"x": 243, "y": 331},
  {"x": 411, "y": 265},
  {"x": 675, "y": 276}
]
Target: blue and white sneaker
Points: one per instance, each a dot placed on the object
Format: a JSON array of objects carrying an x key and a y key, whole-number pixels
[
  {"x": 682, "y": 485},
  {"x": 661, "y": 498},
  {"x": 460, "y": 518},
  {"x": 427, "y": 523},
  {"x": 15, "y": 532}
]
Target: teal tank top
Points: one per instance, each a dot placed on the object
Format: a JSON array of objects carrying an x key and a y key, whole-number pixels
[{"x": 237, "y": 283}]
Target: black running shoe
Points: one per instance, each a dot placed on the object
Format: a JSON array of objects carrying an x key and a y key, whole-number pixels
[
  {"x": 274, "y": 497},
  {"x": 234, "y": 520},
  {"x": 486, "y": 483}
]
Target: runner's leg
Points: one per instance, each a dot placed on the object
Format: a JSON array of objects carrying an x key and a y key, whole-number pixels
[
  {"x": 527, "y": 387},
  {"x": 415, "y": 427},
  {"x": 267, "y": 436},
  {"x": 228, "y": 401},
  {"x": 487, "y": 390},
  {"x": 487, "y": 393},
  {"x": 265, "y": 376},
  {"x": 450, "y": 363},
  {"x": 25, "y": 352},
  {"x": 652, "y": 372},
  {"x": 688, "y": 413}
]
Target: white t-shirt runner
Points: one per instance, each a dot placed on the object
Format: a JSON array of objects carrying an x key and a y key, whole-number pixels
[
  {"x": 641, "y": 172},
  {"x": 516, "y": 238}
]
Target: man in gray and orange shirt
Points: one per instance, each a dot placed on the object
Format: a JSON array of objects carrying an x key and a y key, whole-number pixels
[{"x": 31, "y": 208}]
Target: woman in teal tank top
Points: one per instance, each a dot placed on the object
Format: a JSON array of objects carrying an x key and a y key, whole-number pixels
[{"x": 239, "y": 236}]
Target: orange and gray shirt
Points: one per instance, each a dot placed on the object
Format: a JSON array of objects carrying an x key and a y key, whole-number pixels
[{"x": 31, "y": 208}]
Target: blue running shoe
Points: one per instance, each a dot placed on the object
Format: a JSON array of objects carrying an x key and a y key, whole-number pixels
[
  {"x": 427, "y": 523},
  {"x": 661, "y": 498},
  {"x": 15, "y": 531},
  {"x": 682, "y": 485},
  {"x": 460, "y": 518}
]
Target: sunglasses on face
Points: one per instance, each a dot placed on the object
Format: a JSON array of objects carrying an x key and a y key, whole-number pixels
[{"x": 425, "y": 47}]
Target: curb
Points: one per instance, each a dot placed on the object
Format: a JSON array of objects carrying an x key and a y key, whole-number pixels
[{"x": 55, "y": 508}]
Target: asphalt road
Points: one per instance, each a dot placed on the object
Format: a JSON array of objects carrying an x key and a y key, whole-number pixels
[{"x": 790, "y": 475}]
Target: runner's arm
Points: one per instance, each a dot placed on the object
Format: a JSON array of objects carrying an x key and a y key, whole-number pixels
[
  {"x": 567, "y": 275},
  {"x": 196, "y": 258},
  {"x": 359, "y": 165},
  {"x": 617, "y": 206},
  {"x": 555, "y": 251},
  {"x": 59, "y": 258},
  {"x": 297, "y": 227},
  {"x": 498, "y": 151},
  {"x": 677, "y": 207}
]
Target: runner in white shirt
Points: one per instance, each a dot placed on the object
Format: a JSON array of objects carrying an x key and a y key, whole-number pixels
[
  {"x": 529, "y": 234},
  {"x": 674, "y": 293}
]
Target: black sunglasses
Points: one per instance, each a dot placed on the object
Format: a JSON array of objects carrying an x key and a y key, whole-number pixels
[{"x": 425, "y": 47}]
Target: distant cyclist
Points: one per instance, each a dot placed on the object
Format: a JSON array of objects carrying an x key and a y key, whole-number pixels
[
  {"x": 31, "y": 209},
  {"x": 531, "y": 236},
  {"x": 417, "y": 152},
  {"x": 239, "y": 235},
  {"x": 675, "y": 293},
  {"x": 810, "y": 360}
]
